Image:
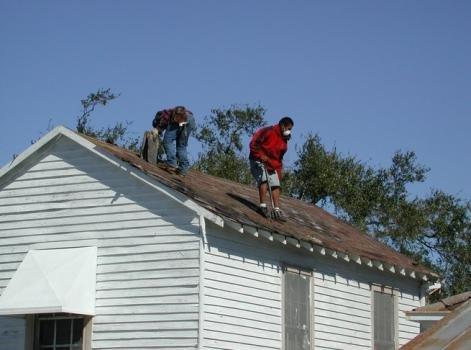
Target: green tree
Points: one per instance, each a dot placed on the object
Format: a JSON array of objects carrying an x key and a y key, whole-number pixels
[
  {"x": 223, "y": 134},
  {"x": 434, "y": 230},
  {"x": 116, "y": 134}
]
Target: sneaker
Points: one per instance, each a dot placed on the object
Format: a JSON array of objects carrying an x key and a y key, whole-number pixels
[
  {"x": 278, "y": 215},
  {"x": 181, "y": 173},
  {"x": 169, "y": 168},
  {"x": 264, "y": 211}
]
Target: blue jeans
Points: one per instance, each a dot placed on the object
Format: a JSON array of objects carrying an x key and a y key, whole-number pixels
[{"x": 175, "y": 143}]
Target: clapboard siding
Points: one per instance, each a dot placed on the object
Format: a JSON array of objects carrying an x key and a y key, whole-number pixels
[
  {"x": 241, "y": 297},
  {"x": 148, "y": 244},
  {"x": 12, "y": 333},
  {"x": 243, "y": 290}
]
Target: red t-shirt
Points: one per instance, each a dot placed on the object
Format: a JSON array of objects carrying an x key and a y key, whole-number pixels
[{"x": 270, "y": 142}]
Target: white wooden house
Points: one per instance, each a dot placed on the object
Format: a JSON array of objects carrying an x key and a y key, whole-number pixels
[{"x": 101, "y": 250}]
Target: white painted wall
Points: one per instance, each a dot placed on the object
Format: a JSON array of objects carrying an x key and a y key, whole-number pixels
[
  {"x": 148, "y": 244},
  {"x": 242, "y": 295}
]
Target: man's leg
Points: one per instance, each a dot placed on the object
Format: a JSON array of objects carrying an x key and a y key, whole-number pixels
[
  {"x": 262, "y": 191},
  {"x": 274, "y": 182},
  {"x": 182, "y": 156},
  {"x": 169, "y": 145},
  {"x": 258, "y": 174},
  {"x": 183, "y": 135},
  {"x": 275, "y": 192}
]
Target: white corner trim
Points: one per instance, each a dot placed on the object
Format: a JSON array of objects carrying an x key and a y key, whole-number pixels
[{"x": 201, "y": 299}]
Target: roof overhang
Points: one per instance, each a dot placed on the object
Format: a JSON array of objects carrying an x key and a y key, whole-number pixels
[
  {"x": 318, "y": 247},
  {"x": 426, "y": 316},
  {"x": 53, "y": 281}
]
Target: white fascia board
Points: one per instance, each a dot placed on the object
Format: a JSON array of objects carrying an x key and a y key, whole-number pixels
[
  {"x": 32, "y": 149},
  {"x": 142, "y": 176},
  {"x": 33, "y": 310},
  {"x": 426, "y": 316}
]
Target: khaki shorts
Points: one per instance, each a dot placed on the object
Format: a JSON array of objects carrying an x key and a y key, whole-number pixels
[{"x": 260, "y": 174}]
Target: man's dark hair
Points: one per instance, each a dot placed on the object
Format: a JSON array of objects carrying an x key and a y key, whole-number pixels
[
  {"x": 286, "y": 121},
  {"x": 179, "y": 110}
]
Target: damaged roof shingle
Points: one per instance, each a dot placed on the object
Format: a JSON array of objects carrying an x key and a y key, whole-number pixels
[{"x": 306, "y": 222}]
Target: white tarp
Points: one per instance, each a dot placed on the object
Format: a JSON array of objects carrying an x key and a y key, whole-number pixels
[{"x": 49, "y": 281}]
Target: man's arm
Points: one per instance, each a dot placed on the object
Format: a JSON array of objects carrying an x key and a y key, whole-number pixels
[{"x": 256, "y": 145}]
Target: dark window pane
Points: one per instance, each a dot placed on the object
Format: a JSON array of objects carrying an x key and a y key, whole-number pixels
[
  {"x": 63, "y": 332},
  {"x": 77, "y": 333},
  {"x": 46, "y": 332}
]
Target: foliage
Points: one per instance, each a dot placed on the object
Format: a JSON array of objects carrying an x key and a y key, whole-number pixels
[
  {"x": 117, "y": 134},
  {"x": 223, "y": 134},
  {"x": 434, "y": 229}
]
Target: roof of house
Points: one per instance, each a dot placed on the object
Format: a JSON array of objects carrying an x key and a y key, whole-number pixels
[
  {"x": 451, "y": 332},
  {"x": 307, "y": 225},
  {"x": 447, "y": 304}
]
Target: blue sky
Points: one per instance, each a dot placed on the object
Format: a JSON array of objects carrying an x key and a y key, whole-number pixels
[{"x": 370, "y": 77}]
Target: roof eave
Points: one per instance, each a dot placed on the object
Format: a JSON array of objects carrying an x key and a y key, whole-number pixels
[{"x": 312, "y": 247}]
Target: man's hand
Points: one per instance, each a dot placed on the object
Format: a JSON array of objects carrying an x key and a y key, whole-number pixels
[{"x": 155, "y": 132}]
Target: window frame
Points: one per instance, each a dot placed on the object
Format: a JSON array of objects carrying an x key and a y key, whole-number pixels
[
  {"x": 307, "y": 272},
  {"x": 395, "y": 294},
  {"x": 31, "y": 330}
]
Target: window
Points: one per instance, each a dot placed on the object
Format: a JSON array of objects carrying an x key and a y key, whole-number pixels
[
  {"x": 297, "y": 309},
  {"x": 58, "y": 332},
  {"x": 384, "y": 318}
]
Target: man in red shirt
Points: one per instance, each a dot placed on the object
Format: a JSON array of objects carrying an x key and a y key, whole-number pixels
[{"x": 267, "y": 147}]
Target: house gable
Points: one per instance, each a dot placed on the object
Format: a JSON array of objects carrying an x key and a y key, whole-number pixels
[
  {"x": 63, "y": 195},
  {"x": 36, "y": 150}
]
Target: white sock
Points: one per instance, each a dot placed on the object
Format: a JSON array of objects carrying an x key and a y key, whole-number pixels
[{"x": 263, "y": 205}]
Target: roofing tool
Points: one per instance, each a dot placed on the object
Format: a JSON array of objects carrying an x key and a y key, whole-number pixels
[
  {"x": 149, "y": 150},
  {"x": 273, "y": 212}
]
